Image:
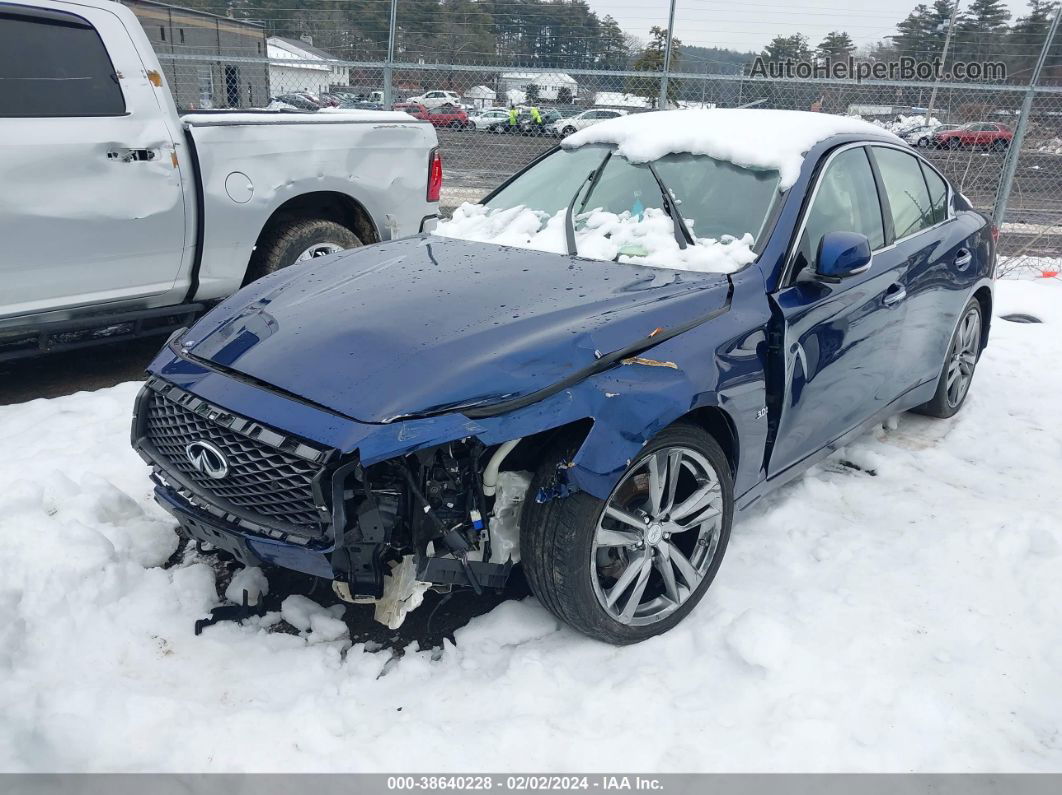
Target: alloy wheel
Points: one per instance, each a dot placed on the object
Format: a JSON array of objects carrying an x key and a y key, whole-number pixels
[
  {"x": 657, "y": 536},
  {"x": 963, "y": 356}
]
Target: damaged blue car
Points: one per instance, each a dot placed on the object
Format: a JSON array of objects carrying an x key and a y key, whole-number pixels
[{"x": 590, "y": 374}]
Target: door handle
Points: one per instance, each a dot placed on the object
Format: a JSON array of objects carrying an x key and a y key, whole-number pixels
[
  {"x": 124, "y": 155},
  {"x": 894, "y": 295},
  {"x": 963, "y": 258}
]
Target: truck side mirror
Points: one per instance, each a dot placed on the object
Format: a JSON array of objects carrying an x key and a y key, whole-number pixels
[{"x": 842, "y": 254}]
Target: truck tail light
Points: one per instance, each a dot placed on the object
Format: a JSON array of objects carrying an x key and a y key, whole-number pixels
[
  {"x": 435, "y": 175},
  {"x": 995, "y": 233}
]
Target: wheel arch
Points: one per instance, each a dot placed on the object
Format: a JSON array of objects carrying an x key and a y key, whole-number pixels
[
  {"x": 326, "y": 205},
  {"x": 721, "y": 427},
  {"x": 983, "y": 295}
]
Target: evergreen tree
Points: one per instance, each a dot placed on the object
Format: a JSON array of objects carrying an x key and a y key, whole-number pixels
[
  {"x": 781, "y": 48},
  {"x": 980, "y": 33},
  {"x": 837, "y": 46},
  {"x": 651, "y": 59}
]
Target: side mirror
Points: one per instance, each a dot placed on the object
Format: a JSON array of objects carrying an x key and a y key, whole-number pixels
[{"x": 842, "y": 254}]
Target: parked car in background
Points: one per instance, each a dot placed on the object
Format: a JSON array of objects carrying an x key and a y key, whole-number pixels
[
  {"x": 484, "y": 119},
  {"x": 653, "y": 373},
  {"x": 565, "y": 126},
  {"x": 435, "y": 99},
  {"x": 922, "y": 135},
  {"x": 988, "y": 134},
  {"x": 528, "y": 126},
  {"x": 299, "y": 100},
  {"x": 442, "y": 116},
  {"x": 122, "y": 218}
]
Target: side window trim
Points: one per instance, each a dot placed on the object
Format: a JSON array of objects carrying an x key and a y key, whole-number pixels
[
  {"x": 923, "y": 164},
  {"x": 884, "y": 206},
  {"x": 809, "y": 201}
]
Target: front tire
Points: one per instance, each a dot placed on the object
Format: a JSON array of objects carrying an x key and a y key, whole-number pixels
[
  {"x": 957, "y": 374},
  {"x": 633, "y": 566},
  {"x": 296, "y": 240}
]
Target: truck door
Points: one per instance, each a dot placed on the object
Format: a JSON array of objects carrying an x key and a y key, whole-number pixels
[
  {"x": 838, "y": 342},
  {"x": 91, "y": 208}
]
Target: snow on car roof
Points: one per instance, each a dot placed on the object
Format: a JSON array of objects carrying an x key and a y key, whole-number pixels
[{"x": 768, "y": 139}]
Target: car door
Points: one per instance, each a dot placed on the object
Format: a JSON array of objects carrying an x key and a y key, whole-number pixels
[
  {"x": 836, "y": 343},
  {"x": 939, "y": 254},
  {"x": 91, "y": 204}
]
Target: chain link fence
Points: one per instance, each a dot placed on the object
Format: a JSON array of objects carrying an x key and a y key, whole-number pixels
[{"x": 494, "y": 119}]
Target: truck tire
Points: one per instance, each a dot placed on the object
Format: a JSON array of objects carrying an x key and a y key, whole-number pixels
[
  {"x": 291, "y": 241},
  {"x": 575, "y": 555}
]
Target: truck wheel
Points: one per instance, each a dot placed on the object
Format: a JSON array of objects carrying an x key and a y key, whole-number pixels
[
  {"x": 954, "y": 383},
  {"x": 295, "y": 241},
  {"x": 630, "y": 567}
]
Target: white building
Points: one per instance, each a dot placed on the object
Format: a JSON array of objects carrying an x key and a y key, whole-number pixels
[
  {"x": 549, "y": 84},
  {"x": 480, "y": 97},
  {"x": 619, "y": 99},
  {"x": 296, "y": 65}
]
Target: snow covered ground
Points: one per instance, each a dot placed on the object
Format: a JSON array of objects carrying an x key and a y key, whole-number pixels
[{"x": 906, "y": 620}]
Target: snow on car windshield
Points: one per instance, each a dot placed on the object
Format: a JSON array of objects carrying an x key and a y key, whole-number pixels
[
  {"x": 766, "y": 139},
  {"x": 619, "y": 211}
]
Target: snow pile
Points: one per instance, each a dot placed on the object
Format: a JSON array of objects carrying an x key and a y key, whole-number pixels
[
  {"x": 767, "y": 139},
  {"x": 905, "y": 124},
  {"x": 909, "y": 620},
  {"x": 645, "y": 239}
]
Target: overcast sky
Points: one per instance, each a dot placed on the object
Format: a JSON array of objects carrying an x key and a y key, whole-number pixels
[{"x": 742, "y": 25}]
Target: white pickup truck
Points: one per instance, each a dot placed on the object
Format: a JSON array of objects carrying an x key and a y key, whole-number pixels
[{"x": 119, "y": 218}]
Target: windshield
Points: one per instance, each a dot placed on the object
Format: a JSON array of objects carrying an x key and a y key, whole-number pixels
[{"x": 716, "y": 198}]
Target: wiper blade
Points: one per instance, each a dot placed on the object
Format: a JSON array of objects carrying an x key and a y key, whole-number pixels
[
  {"x": 682, "y": 233},
  {"x": 569, "y": 215}
]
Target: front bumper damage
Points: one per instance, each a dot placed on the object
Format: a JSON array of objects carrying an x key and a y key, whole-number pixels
[{"x": 357, "y": 536}]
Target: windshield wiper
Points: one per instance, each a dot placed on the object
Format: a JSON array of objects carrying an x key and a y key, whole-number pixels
[
  {"x": 569, "y": 214},
  {"x": 682, "y": 234}
]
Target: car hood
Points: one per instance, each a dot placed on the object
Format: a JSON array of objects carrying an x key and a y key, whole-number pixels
[{"x": 430, "y": 323}]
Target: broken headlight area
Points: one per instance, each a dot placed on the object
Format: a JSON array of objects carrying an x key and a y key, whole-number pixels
[{"x": 438, "y": 518}]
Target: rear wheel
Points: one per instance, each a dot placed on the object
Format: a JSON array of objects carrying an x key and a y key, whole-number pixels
[
  {"x": 630, "y": 567},
  {"x": 923, "y": 142},
  {"x": 1000, "y": 145},
  {"x": 297, "y": 240},
  {"x": 954, "y": 383}
]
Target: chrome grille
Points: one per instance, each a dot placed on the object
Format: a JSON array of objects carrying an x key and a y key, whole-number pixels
[{"x": 262, "y": 479}]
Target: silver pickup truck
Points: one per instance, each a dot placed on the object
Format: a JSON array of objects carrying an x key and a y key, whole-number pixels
[{"x": 119, "y": 218}]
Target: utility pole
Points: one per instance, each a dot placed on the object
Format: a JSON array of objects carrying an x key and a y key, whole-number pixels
[
  {"x": 667, "y": 56},
  {"x": 943, "y": 60},
  {"x": 388, "y": 94},
  {"x": 1006, "y": 179}
]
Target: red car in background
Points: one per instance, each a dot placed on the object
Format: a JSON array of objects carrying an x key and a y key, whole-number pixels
[
  {"x": 443, "y": 116},
  {"x": 989, "y": 134}
]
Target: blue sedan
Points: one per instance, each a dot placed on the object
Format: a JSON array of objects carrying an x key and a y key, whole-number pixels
[{"x": 598, "y": 369}]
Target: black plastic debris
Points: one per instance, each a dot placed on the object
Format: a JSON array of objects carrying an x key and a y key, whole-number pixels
[{"x": 237, "y": 613}]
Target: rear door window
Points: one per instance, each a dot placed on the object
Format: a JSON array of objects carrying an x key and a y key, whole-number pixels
[
  {"x": 906, "y": 188},
  {"x": 938, "y": 193},
  {"x": 54, "y": 64}
]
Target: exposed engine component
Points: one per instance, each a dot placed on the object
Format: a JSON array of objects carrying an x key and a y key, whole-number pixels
[{"x": 428, "y": 519}]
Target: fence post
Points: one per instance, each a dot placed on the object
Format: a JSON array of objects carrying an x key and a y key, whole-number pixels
[
  {"x": 662, "y": 104},
  {"x": 1010, "y": 165},
  {"x": 943, "y": 60},
  {"x": 388, "y": 98}
]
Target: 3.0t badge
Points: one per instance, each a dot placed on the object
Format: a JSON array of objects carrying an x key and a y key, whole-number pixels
[{"x": 208, "y": 459}]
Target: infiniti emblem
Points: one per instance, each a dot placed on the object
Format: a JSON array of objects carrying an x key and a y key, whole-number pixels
[{"x": 208, "y": 459}]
